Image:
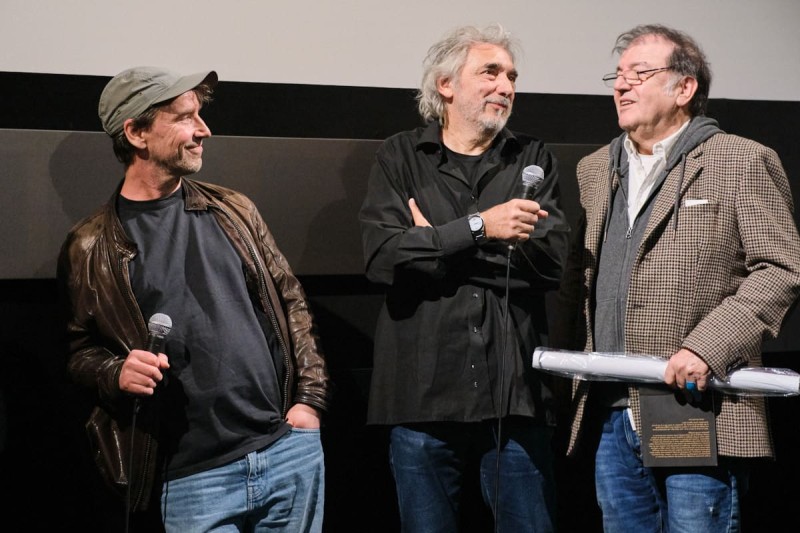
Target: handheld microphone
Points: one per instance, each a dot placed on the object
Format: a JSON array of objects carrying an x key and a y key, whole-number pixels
[
  {"x": 158, "y": 328},
  {"x": 532, "y": 177}
]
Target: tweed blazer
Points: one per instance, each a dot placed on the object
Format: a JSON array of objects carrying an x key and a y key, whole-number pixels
[{"x": 716, "y": 272}]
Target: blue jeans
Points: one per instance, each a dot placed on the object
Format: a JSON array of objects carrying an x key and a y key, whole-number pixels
[
  {"x": 677, "y": 500},
  {"x": 278, "y": 488},
  {"x": 429, "y": 461}
]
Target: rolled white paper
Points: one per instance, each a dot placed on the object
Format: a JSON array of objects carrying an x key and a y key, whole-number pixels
[{"x": 599, "y": 366}]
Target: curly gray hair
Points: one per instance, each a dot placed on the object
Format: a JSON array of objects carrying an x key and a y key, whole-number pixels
[{"x": 447, "y": 57}]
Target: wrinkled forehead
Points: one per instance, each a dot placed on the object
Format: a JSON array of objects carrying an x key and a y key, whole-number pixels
[
  {"x": 647, "y": 50},
  {"x": 489, "y": 50},
  {"x": 487, "y": 56}
]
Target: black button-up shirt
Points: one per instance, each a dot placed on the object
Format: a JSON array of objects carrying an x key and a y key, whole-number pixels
[{"x": 440, "y": 342}]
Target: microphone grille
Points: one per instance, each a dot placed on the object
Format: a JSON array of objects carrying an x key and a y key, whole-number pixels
[
  {"x": 160, "y": 324},
  {"x": 532, "y": 175}
]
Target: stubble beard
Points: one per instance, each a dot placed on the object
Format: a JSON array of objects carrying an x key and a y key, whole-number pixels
[
  {"x": 183, "y": 163},
  {"x": 491, "y": 126}
]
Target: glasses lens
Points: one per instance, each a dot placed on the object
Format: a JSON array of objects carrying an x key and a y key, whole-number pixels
[
  {"x": 632, "y": 77},
  {"x": 610, "y": 79}
]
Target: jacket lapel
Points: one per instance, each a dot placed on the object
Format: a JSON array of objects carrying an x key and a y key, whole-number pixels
[{"x": 668, "y": 195}]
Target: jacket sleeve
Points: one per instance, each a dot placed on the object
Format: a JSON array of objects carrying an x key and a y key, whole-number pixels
[
  {"x": 390, "y": 239},
  {"x": 312, "y": 381},
  {"x": 731, "y": 334},
  {"x": 91, "y": 362}
]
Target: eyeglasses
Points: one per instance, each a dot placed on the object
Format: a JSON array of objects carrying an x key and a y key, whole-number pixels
[{"x": 632, "y": 77}]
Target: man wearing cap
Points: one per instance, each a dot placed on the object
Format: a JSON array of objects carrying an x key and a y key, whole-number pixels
[{"x": 223, "y": 423}]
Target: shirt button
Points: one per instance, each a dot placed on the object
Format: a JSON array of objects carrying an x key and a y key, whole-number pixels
[
  {"x": 475, "y": 384},
  {"x": 475, "y": 329},
  {"x": 474, "y": 294}
]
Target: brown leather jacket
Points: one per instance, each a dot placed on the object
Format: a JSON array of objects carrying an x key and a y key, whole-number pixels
[{"x": 104, "y": 323}]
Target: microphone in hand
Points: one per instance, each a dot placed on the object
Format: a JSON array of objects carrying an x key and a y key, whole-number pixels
[
  {"x": 532, "y": 177},
  {"x": 158, "y": 328}
]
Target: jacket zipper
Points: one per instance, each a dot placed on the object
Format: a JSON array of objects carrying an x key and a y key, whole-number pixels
[
  {"x": 136, "y": 312},
  {"x": 262, "y": 285}
]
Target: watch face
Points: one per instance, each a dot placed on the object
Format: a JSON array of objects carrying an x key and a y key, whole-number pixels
[{"x": 475, "y": 223}]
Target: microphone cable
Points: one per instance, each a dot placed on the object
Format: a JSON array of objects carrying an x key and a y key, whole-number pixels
[
  {"x": 158, "y": 327},
  {"x": 532, "y": 177},
  {"x": 501, "y": 392},
  {"x": 130, "y": 466}
]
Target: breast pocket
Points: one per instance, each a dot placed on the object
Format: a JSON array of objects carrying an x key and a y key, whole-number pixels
[
  {"x": 697, "y": 223},
  {"x": 675, "y": 263}
]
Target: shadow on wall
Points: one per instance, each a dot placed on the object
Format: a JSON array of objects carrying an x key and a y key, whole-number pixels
[
  {"x": 51, "y": 180},
  {"x": 307, "y": 190},
  {"x": 84, "y": 174},
  {"x": 333, "y": 242}
]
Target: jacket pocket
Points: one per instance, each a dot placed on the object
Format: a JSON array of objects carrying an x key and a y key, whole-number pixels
[{"x": 122, "y": 453}]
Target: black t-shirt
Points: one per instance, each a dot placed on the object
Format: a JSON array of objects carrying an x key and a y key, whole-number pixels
[
  {"x": 222, "y": 398},
  {"x": 468, "y": 164}
]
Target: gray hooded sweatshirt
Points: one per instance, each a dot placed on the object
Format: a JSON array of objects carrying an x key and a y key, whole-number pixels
[{"x": 621, "y": 241}]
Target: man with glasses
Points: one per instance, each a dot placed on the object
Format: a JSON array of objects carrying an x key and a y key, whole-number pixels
[{"x": 687, "y": 251}]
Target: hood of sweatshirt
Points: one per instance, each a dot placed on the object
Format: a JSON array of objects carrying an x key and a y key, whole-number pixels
[{"x": 698, "y": 130}]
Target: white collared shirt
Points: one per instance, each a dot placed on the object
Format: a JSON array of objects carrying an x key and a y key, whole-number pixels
[{"x": 643, "y": 169}]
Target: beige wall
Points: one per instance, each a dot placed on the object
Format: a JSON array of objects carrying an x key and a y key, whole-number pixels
[{"x": 752, "y": 45}]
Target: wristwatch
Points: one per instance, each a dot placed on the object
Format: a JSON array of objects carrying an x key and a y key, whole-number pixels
[{"x": 477, "y": 228}]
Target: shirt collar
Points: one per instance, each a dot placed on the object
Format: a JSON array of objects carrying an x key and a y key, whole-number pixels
[
  {"x": 430, "y": 141},
  {"x": 660, "y": 149}
]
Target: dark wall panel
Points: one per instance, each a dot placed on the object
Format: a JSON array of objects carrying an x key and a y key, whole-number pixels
[{"x": 308, "y": 190}]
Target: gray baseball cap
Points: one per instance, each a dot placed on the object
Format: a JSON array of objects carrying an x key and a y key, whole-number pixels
[{"x": 131, "y": 92}]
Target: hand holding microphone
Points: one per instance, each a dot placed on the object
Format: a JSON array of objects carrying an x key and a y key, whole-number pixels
[
  {"x": 513, "y": 221},
  {"x": 532, "y": 177},
  {"x": 142, "y": 369}
]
